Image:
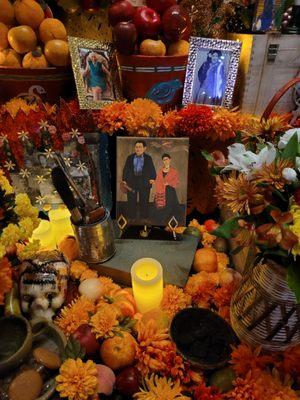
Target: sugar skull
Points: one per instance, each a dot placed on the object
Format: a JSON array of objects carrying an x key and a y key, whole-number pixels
[{"x": 43, "y": 284}]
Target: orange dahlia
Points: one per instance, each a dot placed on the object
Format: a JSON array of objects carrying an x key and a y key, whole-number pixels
[
  {"x": 104, "y": 323},
  {"x": 74, "y": 315},
  {"x": 143, "y": 117},
  {"x": 5, "y": 278},
  {"x": 225, "y": 124},
  {"x": 272, "y": 174},
  {"x": 245, "y": 359},
  {"x": 174, "y": 300}
]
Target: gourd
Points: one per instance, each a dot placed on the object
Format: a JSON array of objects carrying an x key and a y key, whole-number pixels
[{"x": 35, "y": 59}]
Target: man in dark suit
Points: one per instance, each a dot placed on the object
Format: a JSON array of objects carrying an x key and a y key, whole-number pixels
[{"x": 138, "y": 176}]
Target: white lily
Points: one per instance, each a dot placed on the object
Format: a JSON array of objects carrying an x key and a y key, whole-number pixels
[
  {"x": 283, "y": 141},
  {"x": 289, "y": 174},
  {"x": 246, "y": 161}
]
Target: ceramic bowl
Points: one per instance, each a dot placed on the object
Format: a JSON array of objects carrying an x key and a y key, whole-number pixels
[{"x": 202, "y": 337}]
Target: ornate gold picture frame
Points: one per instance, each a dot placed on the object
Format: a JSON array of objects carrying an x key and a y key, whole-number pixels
[{"x": 95, "y": 71}]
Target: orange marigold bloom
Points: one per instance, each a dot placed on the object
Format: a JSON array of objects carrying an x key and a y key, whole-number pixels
[
  {"x": 222, "y": 295},
  {"x": 289, "y": 361},
  {"x": 236, "y": 192},
  {"x": 169, "y": 123},
  {"x": 87, "y": 274},
  {"x": 74, "y": 315},
  {"x": 245, "y": 359},
  {"x": 112, "y": 117},
  {"x": 143, "y": 117},
  {"x": 208, "y": 239},
  {"x": 109, "y": 285},
  {"x": 153, "y": 347},
  {"x": 77, "y": 380},
  {"x": 5, "y": 278},
  {"x": 223, "y": 261},
  {"x": 272, "y": 174},
  {"x": 225, "y": 124},
  {"x": 174, "y": 300},
  {"x": 77, "y": 268},
  {"x": 104, "y": 323},
  {"x": 244, "y": 389},
  {"x": 201, "y": 288}
]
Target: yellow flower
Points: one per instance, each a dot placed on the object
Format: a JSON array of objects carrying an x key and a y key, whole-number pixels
[
  {"x": 4, "y": 183},
  {"x": 2, "y": 251},
  {"x": 26, "y": 226},
  {"x": 108, "y": 284},
  {"x": 29, "y": 250},
  {"x": 223, "y": 261},
  {"x": 295, "y": 228},
  {"x": 87, "y": 274},
  {"x": 77, "y": 380},
  {"x": 5, "y": 278},
  {"x": 75, "y": 314},
  {"x": 104, "y": 322},
  {"x": 272, "y": 174},
  {"x": 208, "y": 239},
  {"x": 156, "y": 388},
  {"x": 174, "y": 300},
  {"x": 10, "y": 235},
  {"x": 77, "y": 268},
  {"x": 143, "y": 117},
  {"x": 24, "y": 208},
  {"x": 16, "y": 104}
]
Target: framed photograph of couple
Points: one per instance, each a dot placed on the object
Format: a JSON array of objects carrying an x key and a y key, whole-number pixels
[
  {"x": 152, "y": 180},
  {"x": 95, "y": 71},
  {"x": 211, "y": 72}
]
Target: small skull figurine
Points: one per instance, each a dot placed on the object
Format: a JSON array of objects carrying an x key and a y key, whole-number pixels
[{"x": 43, "y": 284}]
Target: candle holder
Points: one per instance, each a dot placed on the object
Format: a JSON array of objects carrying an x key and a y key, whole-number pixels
[{"x": 147, "y": 283}]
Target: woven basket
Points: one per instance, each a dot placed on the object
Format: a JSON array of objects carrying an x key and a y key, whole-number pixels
[{"x": 264, "y": 311}]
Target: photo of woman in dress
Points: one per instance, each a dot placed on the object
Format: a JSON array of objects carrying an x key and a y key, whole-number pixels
[
  {"x": 166, "y": 199},
  {"x": 97, "y": 77},
  {"x": 211, "y": 80}
]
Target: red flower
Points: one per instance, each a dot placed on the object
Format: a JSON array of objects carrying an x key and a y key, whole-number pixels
[
  {"x": 203, "y": 392},
  {"x": 195, "y": 120},
  {"x": 223, "y": 294}
]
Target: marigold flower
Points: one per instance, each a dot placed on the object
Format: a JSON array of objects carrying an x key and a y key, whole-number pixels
[
  {"x": 16, "y": 104},
  {"x": 208, "y": 239},
  {"x": 201, "y": 288},
  {"x": 75, "y": 314},
  {"x": 223, "y": 261},
  {"x": 170, "y": 122},
  {"x": 225, "y": 124},
  {"x": 196, "y": 120},
  {"x": 77, "y": 380},
  {"x": 143, "y": 117},
  {"x": 77, "y": 268},
  {"x": 160, "y": 388},
  {"x": 104, "y": 323},
  {"x": 245, "y": 359},
  {"x": 108, "y": 284},
  {"x": 4, "y": 184},
  {"x": 174, "y": 300},
  {"x": 27, "y": 252},
  {"x": 10, "y": 235},
  {"x": 88, "y": 274},
  {"x": 5, "y": 278},
  {"x": 288, "y": 361},
  {"x": 203, "y": 392},
  {"x": 111, "y": 117},
  {"x": 222, "y": 295}
]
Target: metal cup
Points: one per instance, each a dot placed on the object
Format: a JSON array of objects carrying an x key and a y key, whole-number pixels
[{"x": 96, "y": 241}]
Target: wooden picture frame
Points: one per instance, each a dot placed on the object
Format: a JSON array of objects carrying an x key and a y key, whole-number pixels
[
  {"x": 95, "y": 72},
  {"x": 211, "y": 71}
]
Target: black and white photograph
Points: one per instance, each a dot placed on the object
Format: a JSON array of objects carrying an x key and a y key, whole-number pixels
[
  {"x": 95, "y": 72},
  {"x": 152, "y": 180},
  {"x": 211, "y": 72}
]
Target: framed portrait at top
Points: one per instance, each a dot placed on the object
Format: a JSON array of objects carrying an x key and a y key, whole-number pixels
[
  {"x": 152, "y": 180},
  {"x": 211, "y": 71},
  {"x": 95, "y": 71}
]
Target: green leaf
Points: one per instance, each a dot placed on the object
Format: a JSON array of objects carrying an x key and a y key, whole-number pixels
[
  {"x": 227, "y": 228},
  {"x": 207, "y": 155},
  {"x": 291, "y": 150},
  {"x": 293, "y": 280},
  {"x": 73, "y": 349}
]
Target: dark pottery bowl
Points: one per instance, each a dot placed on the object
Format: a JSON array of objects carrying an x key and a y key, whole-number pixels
[{"x": 202, "y": 337}]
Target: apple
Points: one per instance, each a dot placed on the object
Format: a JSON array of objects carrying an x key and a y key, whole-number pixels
[
  {"x": 160, "y": 6},
  {"x": 106, "y": 379},
  {"x": 125, "y": 35},
  {"x": 87, "y": 339},
  {"x": 147, "y": 22},
  {"x": 120, "y": 11},
  {"x": 127, "y": 382},
  {"x": 175, "y": 23},
  {"x": 150, "y": 47}
]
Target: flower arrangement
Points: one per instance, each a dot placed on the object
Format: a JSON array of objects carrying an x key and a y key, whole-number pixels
[{"x": 260, "y": 184}]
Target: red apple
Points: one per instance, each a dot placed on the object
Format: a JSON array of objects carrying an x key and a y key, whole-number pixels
[
  {"x": 160, "y": 6},
  {"x": 125, "y": 36},
  {"x": 147, "y": 22},
  {"x": 120, "y": 11},
  {"x": 175, "y": 22},
  {"x": 127, "y": 382},
  {"x": 87, "y": 339}
]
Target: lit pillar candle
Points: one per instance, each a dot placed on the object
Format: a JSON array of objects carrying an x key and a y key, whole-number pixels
[
  {"x": 45, "y": 235},
  {"x": 61, "y": 223},
  {"x": 147, "y": 283}
]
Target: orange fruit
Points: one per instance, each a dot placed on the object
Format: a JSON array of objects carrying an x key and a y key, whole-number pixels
[
  {"x": 29, "y": 12},
  {"x": 118, "y": 351},
  {"x": 35, "y": 59},
  {"x": 57, "y": 52},
  {"x": 150, "y": 47},
  {"x": 205, "y": 260},
  {"x": 7, "y": 14},
  {"x": 3, "y": 36},
  {"x": 10, "y": 58},
  {"x": 52, "y": 28},
  {"x": 22, "y": 39},
  {"x": 180, "y": 48}
]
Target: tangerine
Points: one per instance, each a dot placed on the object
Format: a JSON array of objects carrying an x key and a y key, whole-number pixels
[{"x": 206, "y": 260}]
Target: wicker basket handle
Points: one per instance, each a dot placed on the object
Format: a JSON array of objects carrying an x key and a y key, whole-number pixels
[{"x": 278, "y": 96}]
